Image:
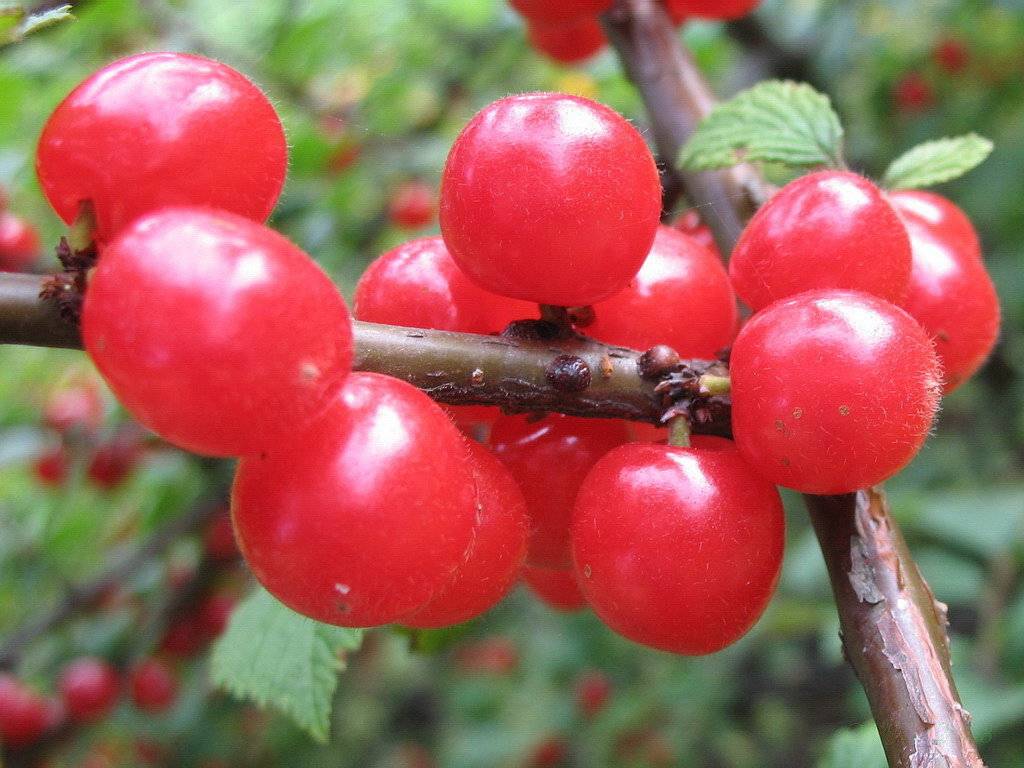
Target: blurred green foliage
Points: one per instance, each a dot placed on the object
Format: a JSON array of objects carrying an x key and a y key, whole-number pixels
[{"x": 372, "y": 94}]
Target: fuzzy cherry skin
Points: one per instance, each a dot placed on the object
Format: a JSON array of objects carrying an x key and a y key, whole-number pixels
[
  {"x": 153, "y": 686},
  {"x": 549, "y": 458},
  {"x": 419, "y": 285},
  {"x": 89, "y": 688},
  {"x": 678, "y": 548},
  {"x": 556, "y": 587},
  {"x": 680, "y": 297},
  {"x": 19, "y": 243},
  {"x": 413, "y": 205},
  {"x": 367, "y": 517},
  {"x": 24, "y": 714},
  {"x": 162, "y": 129},
  {"x": 951, "y": 294},
  {"x": 568, "y": 42},
  {"x": 561, "y": 11},
  {"x": 214, "y": 331},
  {"x": 713, "y": 9},
  {"x": 831, "y": 229},
  {"x": 832, "y": 391},
  {"x": 496, "y": 554},
  {"x": 550, "y": 198}
]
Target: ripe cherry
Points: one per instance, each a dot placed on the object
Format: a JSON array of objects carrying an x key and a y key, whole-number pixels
[
  {"x": 413, "y": 205},
  {"x": 215, "y": 613},
  {"x": 19, "y": 243},
  {"x": 593, "y": 689},
  {"x": 419, "y": 285},
  {"x": 678, "y": 548},
  {"x": 690, "y": 223},
  {"x": 952, "y": 55},
  {"x": 550, "y": 198},
  {"x": 184, "y": 637},
  {"x": 89, "y": 688},
  {"x": 559, "y": 12},
  {"x": 913, "y": 93},
  {"x": 831, "y": 229},
  {"x": 115, "y": 459},
  {"x": 327, "y": 525},
  {"x": 567, "y": 42},
  {"x": 496, "y": 554},
  {"x": 153, "y": 686},
  {"x": 162, "y": 129},
  {"x": 214, "y": 331},
  {"x": 53, "y": 467},
  {"x": 832, "y": 391},
  {"x": 557, "y": 588},
  {"x": 24, "y": 714},
  {"x": 549, "y": 459},
  {"x": 680, "y": 297},
  {"x": 951, "y": 294},
  {"x": 712, "y": 9}
]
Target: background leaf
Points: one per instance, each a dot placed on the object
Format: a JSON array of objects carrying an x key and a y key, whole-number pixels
[
  {"x": 776, "y": 121},
  {"x": 854, "y": 748},
  {"x": 935, "y": 162},
  {"x": 277, "y": 658}
]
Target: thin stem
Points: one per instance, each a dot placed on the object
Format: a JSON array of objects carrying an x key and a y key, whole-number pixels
[{"x": 679, "y": 432}]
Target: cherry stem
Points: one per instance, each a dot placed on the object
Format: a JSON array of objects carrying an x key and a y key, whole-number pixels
[
  {"x": 82, "y": 231},
  {"x": 679, "y": 432}
]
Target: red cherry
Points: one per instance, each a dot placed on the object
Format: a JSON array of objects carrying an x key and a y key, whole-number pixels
[
  {"x": 549, "y": 459},
  {"x": 550, "y": 198},
  {"x": 367, "y": 517},
  {"x": 215, "y": 613},
  {"x": 215, "y": 332},
  {"x": 678, "y": 548},
  {"x": 568, "y": 42},
  {"x": 24, "y": 714},
  {"x": 496, "y": 554},
  {"x": 951, "y": 294},
  {"x": 153, "y": 686},
  {"x": 593, "y": 689},
  {"x": 913, "y": 93},
  {"x": 832, "y": 391},
  {"x": 89, "y": 688},
  {"x": 713, "y": 9},
  {"x": 77, "y": 407},
  {"x": 641, "y": 432},
  {"x": 115, "y": 459},
  {"x": 549, "y": 753},
  {"x": 158, "y": 130},
  {"x": 556, "y": 587},
  {"x": 413, "y": 205},
  {"x": 184, "y": 637},
  {"x": 559, "y": 12},
  {"x": 677, "y": 11},
  {"x": 681, "y": 297},
  {"x": 831, "y": 229},
  {"x": 52, "y": 468},
  {"x": 690, "y": 223},
  {"x": 496, "y": 655},
  {"x": 952, "y": 55},
  {"x": 219, "y": 538},
  {"x": 19, "y": 243},
  {"x": 418, "y": 285}
]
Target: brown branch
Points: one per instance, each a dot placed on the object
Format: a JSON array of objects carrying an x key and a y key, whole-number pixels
[{"x": 893, "y": 629}]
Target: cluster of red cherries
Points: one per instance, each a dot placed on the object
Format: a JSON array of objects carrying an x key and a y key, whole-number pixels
[
  {"x": 569, "y": 31},
  {"x": 358, "y": 501}
]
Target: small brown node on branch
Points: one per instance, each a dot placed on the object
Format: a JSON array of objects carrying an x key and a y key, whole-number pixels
[
  {"x": 568, "y": 373},
  {"x": 607, "y": 369},
  {"x": 476, "y": 378},
  {"x": 657, "y": 361},
  {"x": 533, "y": 330},
  {"x": 581, "y": 317}
]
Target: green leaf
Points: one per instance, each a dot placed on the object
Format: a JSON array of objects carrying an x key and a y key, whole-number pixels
[
  {"x": 854, "y": 748},
  {"x": 15, "y": 23},
  {"x": 277, "y": 658},
  {"x": 937, "y": 161},
  {"x": 776, "y": 122}
]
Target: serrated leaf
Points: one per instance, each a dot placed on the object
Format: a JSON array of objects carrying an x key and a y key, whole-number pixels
[
  {"x": 277, "y": 658},
  {"x": 937, "y": 161},
  {"x": 777, "y": 121},
  {"x": 854, "y": 748}
]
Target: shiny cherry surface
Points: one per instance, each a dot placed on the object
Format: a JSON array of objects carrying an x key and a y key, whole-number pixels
[
  {"x": 557, "y": 587},
  {"x": 832, "y": 391},
  {"x": 678, "y": 548},
  {"x": 560, "y": 10},
  {"x": 951, "y": 294},
  {"x": 214, "y": 331},
  {"x": 550, "y": 198},
  {"x": 549, "y": 459},
  {"x": 496, "y": 554},
  {"x": 831, "y": 229},
  {"x": 89, "y": 688},
  {"x": 161, "y": 129},
  {"x": 419, "y": 285},
  {"x": 680, "y": 297},
  {"x": 567, "y": 42},
  {"x": 368, "y": 515}
]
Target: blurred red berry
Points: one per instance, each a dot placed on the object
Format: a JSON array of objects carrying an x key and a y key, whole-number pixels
[
  {"x": 24, "y": 714},
  {"x": 115, "y": 459},
  {"x": 153, "y": 686},
  {"x": 76, "y": 407},
  {"x": 913, "y": 93},
  {"x": 568, "y": 42},
  {"x": 413, "y": 206},
  {"x": 952, "y": 55},
  {"x": 89, "y": 689},
  {"x": 219, "y": 540},
  {"x": 19, "y": 243},
  {"x": 496, "y": 655},
  {"x": 215, "y": 612},
  {"x": 593, "y": 689},
  {"x": 690, "y": 223},
  {"x": 52, "y": 467},
  {"x": 549, "y": 753},
  {"x": 149, "y": 752},
  {"x": 184, "y": 637}
]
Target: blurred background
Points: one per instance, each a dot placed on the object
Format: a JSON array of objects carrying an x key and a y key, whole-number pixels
[{"x": 372, "y": 94}]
